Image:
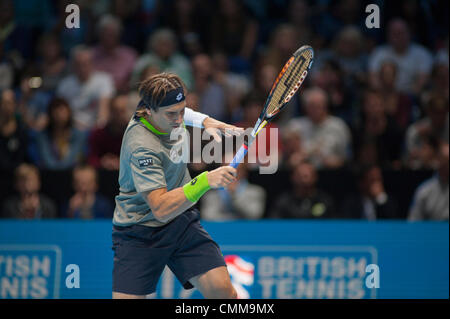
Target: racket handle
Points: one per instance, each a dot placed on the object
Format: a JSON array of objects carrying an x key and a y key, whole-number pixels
[{"x": 239, "y": 156}]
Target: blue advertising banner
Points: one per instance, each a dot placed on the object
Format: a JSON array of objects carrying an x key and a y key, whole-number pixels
[{"x": 266, "y": 259}]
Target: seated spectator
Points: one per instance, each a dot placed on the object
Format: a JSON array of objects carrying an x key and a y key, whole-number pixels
[
  {"x": 429, "y": 131},
  {"x": 283, "y": 42},
  {"x": 305, "y": 200},
  {"x": 414, "y": 61},
  {"x": 293, "y": 150},
  {"x": 264, "y": 78},
  {"x": 366, "y": 153},
  {"x": 235, "y": 85},
  {"x": 299, "y": 15},
  {"x": 110, "y": 56},
  {"x": 211, "y": 94},
  {"x": 105, "y": 143},
  {"x": 439, "y": 84},
  {"x": 52, "y": 65},
  {"x": 13, "y": 134},
  {"x": 190, "y": 20},
  {"x": 397, "y": 105},
  {"x": 86, "y": 203},
  {"x": 40, "y": 81},
  {"x": 60, "y": 145},
  {"x": 331, "y": 78},
  {"x": 348, "y": 51},
  {"x": 336, "y": 15},
  {"x": 33, "y": 102},
  {"x": 135, "y": 19},
  {"x": 377, "y": 133},
  {"x": 442, "y": 54},
  {"x": 163, "y": 48},
  {"x": 193, "y": 101},
  {"x": 234, "y": 32},
  {"x": 29, "y": 203},
  {"x": 87, "y": 91},
  {"x": 371, "y": 202},
  {"x": 431, "y": 198},
  {"x": 240, "y": 200},
  {"x": 326, "y": 138}
]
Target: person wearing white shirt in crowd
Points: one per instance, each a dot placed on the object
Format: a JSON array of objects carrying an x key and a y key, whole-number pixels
[
  {"x": 326, "y": 138},
  {"x": 87, "y": 91},
  {"x": 414, "y": 62}
]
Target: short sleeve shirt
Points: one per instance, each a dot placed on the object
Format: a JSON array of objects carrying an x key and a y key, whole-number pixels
[
  {"x": 147, "y": 162},
  {"x": 84, "y": 97},
  {"x": 415, "y": 61}
]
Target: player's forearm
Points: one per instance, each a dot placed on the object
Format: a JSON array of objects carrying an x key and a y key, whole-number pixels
[
  {"x": 171, "y": 204},
  {"x": 168, "y": 205}
]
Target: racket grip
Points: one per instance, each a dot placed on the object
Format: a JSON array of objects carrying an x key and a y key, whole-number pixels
[{"x": 239, "y": 156}]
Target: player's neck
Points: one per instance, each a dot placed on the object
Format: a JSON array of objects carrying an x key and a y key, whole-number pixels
[{"x": 149, "y": 122}]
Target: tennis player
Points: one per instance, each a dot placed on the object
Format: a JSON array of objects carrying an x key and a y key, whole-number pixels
[{"x": 154, "y": 224}]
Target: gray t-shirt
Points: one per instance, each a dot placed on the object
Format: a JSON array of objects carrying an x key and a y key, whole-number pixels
[{"x": 147, "y": 162}]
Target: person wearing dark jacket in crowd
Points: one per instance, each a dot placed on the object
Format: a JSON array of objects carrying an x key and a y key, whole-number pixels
[
  {"x": 29, "y": 203},
  {"x": 305, "y": 200},
  {"x": 372, "y": 202},
  {"x": 13, "y": 135},
  {"x": 87, "y": 202}
]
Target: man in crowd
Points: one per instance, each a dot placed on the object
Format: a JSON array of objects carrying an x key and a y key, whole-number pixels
[{"x": 431, "y": 199}]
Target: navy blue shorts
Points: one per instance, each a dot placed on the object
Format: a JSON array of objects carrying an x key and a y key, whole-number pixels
[{"x": 141, "y": 253}]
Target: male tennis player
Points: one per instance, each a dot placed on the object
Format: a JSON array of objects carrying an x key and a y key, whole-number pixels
[{"x": 154, "y": 224}]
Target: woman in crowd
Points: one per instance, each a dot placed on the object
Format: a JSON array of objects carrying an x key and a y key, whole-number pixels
[{"x": 60, "y": 146}]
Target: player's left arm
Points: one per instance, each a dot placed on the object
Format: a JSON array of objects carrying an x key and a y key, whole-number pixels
[{"x": 212, "y": 126}]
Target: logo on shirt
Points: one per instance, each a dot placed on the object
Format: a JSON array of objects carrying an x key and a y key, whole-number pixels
[{"x": 145, "y": 162}]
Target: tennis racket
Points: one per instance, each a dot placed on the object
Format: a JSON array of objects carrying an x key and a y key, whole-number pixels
[{"x": 285, "y": 86}]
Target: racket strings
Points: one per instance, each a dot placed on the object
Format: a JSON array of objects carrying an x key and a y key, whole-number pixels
[{"x": 293, "y": 73}]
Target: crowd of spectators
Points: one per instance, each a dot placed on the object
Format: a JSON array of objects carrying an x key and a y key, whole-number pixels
[{"x": 376, "y": 99}]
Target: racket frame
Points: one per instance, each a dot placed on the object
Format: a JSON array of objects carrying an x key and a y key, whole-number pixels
[{"x": 264, "y": 118}]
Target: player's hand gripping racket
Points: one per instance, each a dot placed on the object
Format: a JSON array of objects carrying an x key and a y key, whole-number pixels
[{"x": 287, "y": 83}]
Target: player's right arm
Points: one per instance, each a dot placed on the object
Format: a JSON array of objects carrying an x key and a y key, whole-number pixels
[{"x": 166, "y": 205}]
